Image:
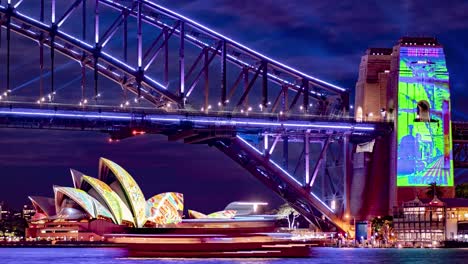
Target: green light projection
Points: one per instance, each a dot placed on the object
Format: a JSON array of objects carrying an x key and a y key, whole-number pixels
[{"x": 423, "y": 134}]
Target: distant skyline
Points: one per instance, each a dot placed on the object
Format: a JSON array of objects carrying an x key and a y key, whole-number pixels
[{"x": 325, "y": 39}]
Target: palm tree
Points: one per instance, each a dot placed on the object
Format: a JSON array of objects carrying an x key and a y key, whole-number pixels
[
  {"x": 461, "y": 190},
  {"x": 434, "y": 189}
]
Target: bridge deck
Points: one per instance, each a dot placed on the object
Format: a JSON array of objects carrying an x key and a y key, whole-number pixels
[{"x": 106, "y": 121}]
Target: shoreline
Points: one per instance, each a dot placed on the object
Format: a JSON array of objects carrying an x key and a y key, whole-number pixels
[
  {"x": 26, "y": 244},
  {"x": 114, "y": 245}
]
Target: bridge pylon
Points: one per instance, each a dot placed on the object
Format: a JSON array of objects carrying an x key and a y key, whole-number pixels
[{"x": 287, "y": 128}]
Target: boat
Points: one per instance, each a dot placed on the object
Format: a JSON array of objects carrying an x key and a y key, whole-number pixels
[{"x": 216, "y": 239}]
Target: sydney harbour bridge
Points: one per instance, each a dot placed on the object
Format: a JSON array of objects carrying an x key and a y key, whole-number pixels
[{"x": 142, "y": 68}]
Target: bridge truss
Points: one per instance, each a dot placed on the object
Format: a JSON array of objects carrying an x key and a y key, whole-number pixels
[
  {"x": 460, "y": 144},
  {"x": 254, "y": 109}
]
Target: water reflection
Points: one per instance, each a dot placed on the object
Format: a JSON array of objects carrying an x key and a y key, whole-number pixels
[{"x": 320, "y": 255}]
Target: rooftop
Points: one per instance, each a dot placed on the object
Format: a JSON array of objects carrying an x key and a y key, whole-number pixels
[{"x": 419, "y": 41}]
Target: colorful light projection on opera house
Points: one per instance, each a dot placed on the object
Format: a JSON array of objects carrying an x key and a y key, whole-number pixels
[
  {"x": 115, "y": 197},
  {"x": 423, "y": 134}
]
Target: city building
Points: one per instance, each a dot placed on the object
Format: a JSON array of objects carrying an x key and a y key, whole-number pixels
[
  {"x": 28, "y": 212},
  {"x": 4, "y": 211},
  {"x": 419, "y": 99},
  {"x": 457, "y": 219},
  {"x": 109, "y": 204},
  {"x": 371, "y": 88},
  {"x": 12, "y": 224},
  {"x": 409, "y": 86},
  {"x": 428, "y": 222}
]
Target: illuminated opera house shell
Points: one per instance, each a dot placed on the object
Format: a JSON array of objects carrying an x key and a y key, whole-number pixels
[
  {"x": 113, "y": 196},
  {"x": 226, "y": 214}
]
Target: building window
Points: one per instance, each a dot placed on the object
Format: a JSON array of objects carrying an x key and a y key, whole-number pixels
[
  {"x": 359, "y": 114},
  {"x": 423, "y": 111}
]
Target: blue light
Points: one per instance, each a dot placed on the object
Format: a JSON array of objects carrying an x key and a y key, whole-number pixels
[
  {"x": 236, "y": 43},
  {"x": 179, "y": 16},
  {"x": 18, "y": 3},
  {"x": 199, "y": 120},
  {"x": 118, "y": 61},
  {"x": 31, "y": 19},
  {"x": 285, "y": 172},
  {"x": 155, "y": 82},
  {"x": 75, "y": 39},
  {"x": 51, "y": 113},
  {"x": 35, "y": 79}
]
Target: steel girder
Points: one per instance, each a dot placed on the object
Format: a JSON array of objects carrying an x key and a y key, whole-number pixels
[
  {"x": 460, "y": 153},
  {"x": 289, "y": 87},
  {"x": 312, "y": 183},
  {"x": 460, "y": 144},
  {"x": 88, "y": 55},
  {"x": 297, "y": 193},
  {"x": 274, "y": 78},
  {"x": 247, "y": 125}
]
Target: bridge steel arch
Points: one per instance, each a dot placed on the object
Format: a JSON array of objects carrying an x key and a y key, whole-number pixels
[
  {"x": 460, "y": 144},
  {"x": 318, "y": 97},
  {"x": 235, "y": 128},
  {"x": 313, "y": 183}
]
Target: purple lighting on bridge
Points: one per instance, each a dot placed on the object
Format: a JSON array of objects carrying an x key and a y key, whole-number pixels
[
  {"x": 111, "y": 61},
  {"x": 57, "y": 114},
  {"x": 84, "y": 45},
  {"x": 228, "y": 55},
  {"x": 216, "y": 114},
  {"x": 177, "y": 118},
  {"x": 239, "y": 45},
  {"x": 280, "y": 168}
]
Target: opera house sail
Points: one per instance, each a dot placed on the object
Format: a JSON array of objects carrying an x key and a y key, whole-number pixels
[
  {"x": 115, "y": 198},
  {"x": 126, "y": 187}
]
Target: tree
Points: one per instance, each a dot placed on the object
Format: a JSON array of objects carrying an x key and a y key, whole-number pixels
[
  {"x": 382, "y": 226},
  {"x": 432, "y": 189},
  {"x": 289, "y": 213},
  {"x": 461, "y": 190}
]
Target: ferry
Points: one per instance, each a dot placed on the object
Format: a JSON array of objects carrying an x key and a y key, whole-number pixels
[{"x": 215, "y": 238}]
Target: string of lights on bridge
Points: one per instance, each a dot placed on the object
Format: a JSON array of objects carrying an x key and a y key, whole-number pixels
[{"x": 49, "y": 97}]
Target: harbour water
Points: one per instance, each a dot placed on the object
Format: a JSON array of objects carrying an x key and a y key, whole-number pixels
[{"x": 319, "y": 255}]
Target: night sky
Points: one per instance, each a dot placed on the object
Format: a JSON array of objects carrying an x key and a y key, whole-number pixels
[{"x": 323, "y": 38}]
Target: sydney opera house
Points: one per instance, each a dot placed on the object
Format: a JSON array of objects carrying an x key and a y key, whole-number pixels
[{"x": 107, "y": 204}]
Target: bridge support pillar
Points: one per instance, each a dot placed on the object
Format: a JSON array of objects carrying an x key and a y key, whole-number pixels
[
  {"x": 282, "y": 182},
  {"x": 306, "y": 160},
  {"x": 182, "y": 63},
  {"x": 285, "y": 152},
  {"x": 347, "y": 174}
]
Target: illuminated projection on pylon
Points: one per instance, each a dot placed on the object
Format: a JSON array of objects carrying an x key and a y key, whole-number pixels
[{"x": 424, "y": 138}]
